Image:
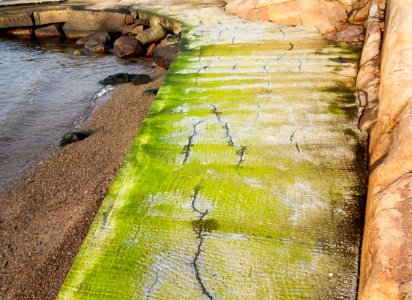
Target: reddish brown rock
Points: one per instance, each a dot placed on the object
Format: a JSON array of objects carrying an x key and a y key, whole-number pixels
[
  {"x": 144, "y": 22},
  {"x": 368, "y": 81},
  {"x": 150, "y": 49},
  {"x": 137, "y": 29},
  {"x": 132, "y": 30},
  {"x": 323, "y": 15},
  {"x": 164, "y": 56},
  {"x": 386, "y": 264},
  {"x": 387, "y": 252},
  {"x": 125, "y": 47},
  {"x": 129, "y": 19},
  {"x": 127, "y": 29}
]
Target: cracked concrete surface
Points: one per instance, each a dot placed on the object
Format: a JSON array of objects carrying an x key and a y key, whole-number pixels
[{"x": 247, "y": 178}]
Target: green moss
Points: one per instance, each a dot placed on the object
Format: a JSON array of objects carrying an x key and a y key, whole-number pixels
[{"x": 263, "y": 197}]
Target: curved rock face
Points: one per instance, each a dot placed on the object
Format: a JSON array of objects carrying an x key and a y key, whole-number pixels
[{"x": 386, "y": 270}]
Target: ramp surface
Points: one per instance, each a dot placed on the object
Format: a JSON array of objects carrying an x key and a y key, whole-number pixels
[{"x": 247, "y": 178}]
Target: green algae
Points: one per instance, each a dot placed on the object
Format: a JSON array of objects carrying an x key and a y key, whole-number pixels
[{"x": 240, "y": 192}]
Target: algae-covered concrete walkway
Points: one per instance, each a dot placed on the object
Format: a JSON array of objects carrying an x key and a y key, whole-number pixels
[{"x": 247, "y": 178}]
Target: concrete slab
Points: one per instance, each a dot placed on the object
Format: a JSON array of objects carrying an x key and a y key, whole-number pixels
[
  {"x": 15, "y": 20},
  {"x": 50, "y": 17},
  {"x": 28, "y": 2},
  {"x": 247, "y": 178}
]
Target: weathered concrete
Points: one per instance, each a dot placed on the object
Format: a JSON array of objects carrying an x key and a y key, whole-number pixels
[
  {"x": 386, "y": 270},
  {"x": 28, "y": 2},
  {"x": 50, "y": 17},
  {"x": 84, "y": 22},
  {"x": 247, "y": 178},
  {"x": 15, "y": 20}
]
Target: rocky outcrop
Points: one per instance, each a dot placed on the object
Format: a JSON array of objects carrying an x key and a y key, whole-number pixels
[
  {"x": 340, "y": 20},
  {"x": 368, "y": 80},
  {"x": 386, "y": 268}
]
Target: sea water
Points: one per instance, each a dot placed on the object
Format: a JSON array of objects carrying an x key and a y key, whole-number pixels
[{"x": 45, "y": 91}]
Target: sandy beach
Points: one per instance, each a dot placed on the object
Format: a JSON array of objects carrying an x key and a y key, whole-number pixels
[{"x": 46, "y": 216}]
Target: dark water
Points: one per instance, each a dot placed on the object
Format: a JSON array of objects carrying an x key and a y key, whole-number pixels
[{"x": 45, "y": 91}]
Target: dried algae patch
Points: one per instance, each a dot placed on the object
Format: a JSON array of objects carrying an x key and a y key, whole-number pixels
[{"x": 242, "y": 183}]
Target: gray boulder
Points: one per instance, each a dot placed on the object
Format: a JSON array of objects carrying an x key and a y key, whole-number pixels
[{"x": 101, "y": 37}]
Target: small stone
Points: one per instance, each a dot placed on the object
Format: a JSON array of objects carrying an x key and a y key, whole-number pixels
[
  {"x": 150, "y": 49},
  {"x": 144, "y": 22},
  {"x": 77, "y": 52},
  {"x": 138, "y": 29},
  {"x": 125, "y": 47},
  {"x": 151, "y": 92},
  {"x": 101, "y": 36},
  {"x": 96, "y": 47},
  {"x": 120, "y": 78},
  {"x": 128, "y": 19},
  {"x": 72, "y": 137},
  {"x": 141, "y": 79},
  {"x": 330, "y": 274},
  {"x": 163, "y": 56}
]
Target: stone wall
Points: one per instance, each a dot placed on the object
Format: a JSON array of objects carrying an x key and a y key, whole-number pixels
[{"x": 386, "y": 267}]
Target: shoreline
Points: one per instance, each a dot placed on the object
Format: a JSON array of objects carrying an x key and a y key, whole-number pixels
[{"x": 46, "y": 215}]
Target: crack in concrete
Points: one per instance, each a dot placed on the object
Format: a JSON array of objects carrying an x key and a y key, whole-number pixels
[
  {"x": 269, "y": 85},
  {"x": 291, "y": 47},
  {"x": 258, "y": 107},
  {"x": 149, "y": 292},
  {"x": 300, "y": 65},
  {"x": 187, "y": 148},
  {"x": 228, "y": 136},
  {"x": 202, "y": 68},
  {"x": 293, "y": 142},
  {"x": 199, "y": 231},
  {"x": 283, "y": 33},
  {"x": 241, "y": 152},
  {"x": 220, "y": 34},
  {"x": 216, "y": 112}
]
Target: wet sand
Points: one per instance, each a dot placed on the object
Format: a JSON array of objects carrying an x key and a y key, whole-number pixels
[{"x": 46, "y": 216}]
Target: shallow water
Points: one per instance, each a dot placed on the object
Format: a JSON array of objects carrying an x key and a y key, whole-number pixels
[{"x": 45, "y": 91}]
